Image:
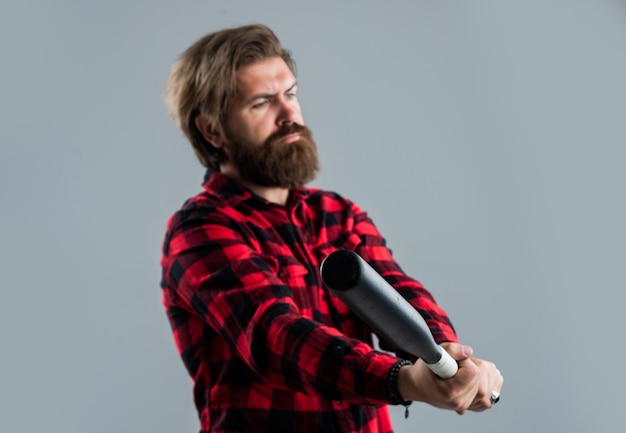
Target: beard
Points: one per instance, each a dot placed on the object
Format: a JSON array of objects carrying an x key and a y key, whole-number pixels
[{"x": 274, "y": 163}]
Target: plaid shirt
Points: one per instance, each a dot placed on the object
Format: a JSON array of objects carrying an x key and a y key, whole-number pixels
[{"x": 268, "y": 347}]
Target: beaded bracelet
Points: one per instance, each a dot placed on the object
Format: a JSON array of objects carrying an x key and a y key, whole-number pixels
[{"x": 392, "y": 386}]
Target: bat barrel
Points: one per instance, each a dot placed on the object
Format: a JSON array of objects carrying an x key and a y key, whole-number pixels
[{"x": 379, "y": 305}]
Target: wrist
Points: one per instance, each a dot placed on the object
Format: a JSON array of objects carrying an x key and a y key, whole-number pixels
[{"x": 396, "y": 381}]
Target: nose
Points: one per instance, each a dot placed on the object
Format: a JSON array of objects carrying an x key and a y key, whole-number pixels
[{"x": 288, "y": 112}]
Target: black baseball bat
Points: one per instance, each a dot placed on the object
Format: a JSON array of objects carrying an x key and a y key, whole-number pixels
[{"x": 380, "y": 306}]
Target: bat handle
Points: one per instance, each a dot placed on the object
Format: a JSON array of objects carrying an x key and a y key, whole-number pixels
[{"x": 446, "y": 367}]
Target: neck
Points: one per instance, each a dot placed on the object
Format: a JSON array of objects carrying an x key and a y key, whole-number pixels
[{"x": 272, "y": 194}]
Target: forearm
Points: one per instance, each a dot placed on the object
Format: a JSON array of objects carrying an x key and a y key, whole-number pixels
[{"x": 296, "y": 353}]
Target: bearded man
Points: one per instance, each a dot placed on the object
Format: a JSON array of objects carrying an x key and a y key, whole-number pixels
[{"x": 269, "y": 348}]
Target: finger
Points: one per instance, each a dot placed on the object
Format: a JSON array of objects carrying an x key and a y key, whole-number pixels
[
  {"x": 458, "y": 351},
  {"x": 484, "y": 391},
  {"x": 495, "y": 385}
]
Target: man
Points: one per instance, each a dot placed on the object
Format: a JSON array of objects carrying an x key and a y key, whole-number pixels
[{"x": 269, "y": 348}]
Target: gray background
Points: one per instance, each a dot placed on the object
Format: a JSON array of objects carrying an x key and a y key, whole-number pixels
[{"x": 485, "y": 138}]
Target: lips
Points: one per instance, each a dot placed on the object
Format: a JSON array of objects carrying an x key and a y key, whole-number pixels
[{"x": 290, "y": 138}]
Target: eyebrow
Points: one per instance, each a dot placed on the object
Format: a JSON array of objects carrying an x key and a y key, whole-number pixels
[{"x": 268, "y": 95}]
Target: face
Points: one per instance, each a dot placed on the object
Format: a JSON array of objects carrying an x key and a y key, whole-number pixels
[{"x": 265, "y": 136}]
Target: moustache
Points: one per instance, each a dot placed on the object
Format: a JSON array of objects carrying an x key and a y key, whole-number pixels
[{"x": 288, "y": 129}]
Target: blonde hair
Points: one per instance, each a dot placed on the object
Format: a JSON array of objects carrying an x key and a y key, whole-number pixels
[{"x": 203, "y": 80}]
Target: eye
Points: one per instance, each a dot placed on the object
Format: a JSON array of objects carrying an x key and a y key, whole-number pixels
[
  {"x": 260, "y": 104},
  {"x": 290, "y": 95}
]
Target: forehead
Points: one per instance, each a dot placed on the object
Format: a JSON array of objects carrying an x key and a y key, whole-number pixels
[{"x": 268, "y": 76}]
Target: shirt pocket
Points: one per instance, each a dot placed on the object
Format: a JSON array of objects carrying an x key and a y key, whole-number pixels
[
  {"x": 296, "y": 277},
  {"x": 290, "y": 269}
]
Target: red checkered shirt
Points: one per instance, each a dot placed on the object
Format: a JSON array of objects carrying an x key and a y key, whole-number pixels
[{"x": 268, "y": 347}]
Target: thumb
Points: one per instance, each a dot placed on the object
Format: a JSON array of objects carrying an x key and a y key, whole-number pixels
[{"x": 458, "y": 351}]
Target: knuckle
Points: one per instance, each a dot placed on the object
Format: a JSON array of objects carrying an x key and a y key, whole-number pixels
[{"x": 459, "y": 403}]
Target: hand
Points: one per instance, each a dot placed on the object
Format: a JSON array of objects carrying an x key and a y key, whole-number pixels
[
  {"x": 490, "y": 380},
  {"x": 459, "y": 393}
]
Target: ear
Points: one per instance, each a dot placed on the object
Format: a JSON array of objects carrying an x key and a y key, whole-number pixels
[{"x": 211, "y": 131}]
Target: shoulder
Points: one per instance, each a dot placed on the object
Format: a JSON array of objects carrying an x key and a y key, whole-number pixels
[
  {"x": 202, "y": 204},
  {"x": 321, "y": 198},
  {"x": 325, "y": 201},
  {"x": 198, "y": 210}
]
